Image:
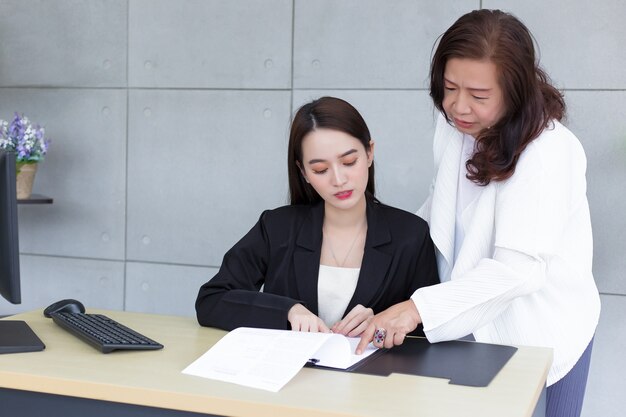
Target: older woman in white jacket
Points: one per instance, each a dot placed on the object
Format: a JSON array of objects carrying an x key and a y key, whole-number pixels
[{"x": 508, "y": 211}]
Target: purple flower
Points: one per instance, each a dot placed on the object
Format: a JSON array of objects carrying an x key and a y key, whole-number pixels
[{"x": 19, "y": 136}]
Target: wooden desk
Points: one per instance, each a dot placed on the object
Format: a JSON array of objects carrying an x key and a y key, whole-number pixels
[{"x": 70, "y": 367}]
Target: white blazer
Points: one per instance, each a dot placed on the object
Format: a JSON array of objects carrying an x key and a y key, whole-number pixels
[{"x": 523, "y": 271}]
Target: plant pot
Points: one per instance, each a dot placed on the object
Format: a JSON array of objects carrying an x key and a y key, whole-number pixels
[{"x": 25, "y": 178}]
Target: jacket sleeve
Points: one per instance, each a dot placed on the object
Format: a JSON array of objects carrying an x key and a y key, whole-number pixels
[
  {"x": 233, "y": 298},
  {"x": 426, "y": 273},
  {"x": 459, "y": 307},
  {"x": 426, "y": 265}
]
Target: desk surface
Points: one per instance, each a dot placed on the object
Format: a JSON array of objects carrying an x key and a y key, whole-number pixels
[{"x": 70, "y": 367}]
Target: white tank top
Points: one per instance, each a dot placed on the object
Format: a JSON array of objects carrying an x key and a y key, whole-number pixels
[{"x": 335, "y": 288}]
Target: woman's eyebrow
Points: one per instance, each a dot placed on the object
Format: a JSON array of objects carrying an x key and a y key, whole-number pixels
[
  {"x": 315, "y": 161},
  {"x": 486, "y": 90}
]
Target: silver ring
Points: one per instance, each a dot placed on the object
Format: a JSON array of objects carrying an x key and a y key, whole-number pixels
[{"x": 379, "y": 335}]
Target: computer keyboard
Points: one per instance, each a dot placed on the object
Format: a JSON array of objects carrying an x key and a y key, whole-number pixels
[{"x": 104, "y": 333}]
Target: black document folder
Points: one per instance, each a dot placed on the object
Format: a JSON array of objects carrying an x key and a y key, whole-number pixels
[
  {"x": 462, "y": 362},
  {"x": 16, "y": 336}
]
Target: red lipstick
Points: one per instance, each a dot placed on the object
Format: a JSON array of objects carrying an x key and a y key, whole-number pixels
[{"x": 344, "y": 195}]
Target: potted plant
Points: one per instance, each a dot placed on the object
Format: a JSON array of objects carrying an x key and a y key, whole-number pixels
[{"x": 29, "y": 145}]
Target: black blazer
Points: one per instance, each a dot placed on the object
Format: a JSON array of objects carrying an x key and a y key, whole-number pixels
[{"x": 282, "y": 252}]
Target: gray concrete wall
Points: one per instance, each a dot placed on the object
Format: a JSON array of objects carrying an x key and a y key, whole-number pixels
[{"x": 169, "y": 123}]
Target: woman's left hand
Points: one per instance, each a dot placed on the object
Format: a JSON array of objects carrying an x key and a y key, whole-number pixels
[
  {"x": 355, "y": 322},
  {"x": 392, "y": 324}
]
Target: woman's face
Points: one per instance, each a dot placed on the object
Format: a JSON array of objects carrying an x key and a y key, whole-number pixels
[
  {"x": 472, "y": 96},
  {"x": 336, "y": 165}
]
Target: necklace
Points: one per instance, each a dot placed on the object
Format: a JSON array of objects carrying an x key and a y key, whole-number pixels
[{"x": 332, "y": 252}]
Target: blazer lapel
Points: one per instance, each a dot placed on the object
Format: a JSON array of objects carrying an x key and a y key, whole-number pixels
[
  {"x": 375, "y": 262},
  {"x": 443, "y": 206},
  {"x": 307, "y": 257}
]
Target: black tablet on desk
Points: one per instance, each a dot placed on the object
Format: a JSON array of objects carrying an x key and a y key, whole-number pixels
[{"x": 16, "y": 336}]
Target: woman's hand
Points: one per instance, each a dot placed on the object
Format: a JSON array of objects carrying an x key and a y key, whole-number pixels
[
  {"x": 302, "y": 320},
  {"x": 394, "y": 324},
  {"x": 355, "y": 322}
]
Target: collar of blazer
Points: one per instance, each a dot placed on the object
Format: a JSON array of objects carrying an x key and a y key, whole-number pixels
[
  {"x": 373, "y": 267},
  {"x": 443, "y": 206}
]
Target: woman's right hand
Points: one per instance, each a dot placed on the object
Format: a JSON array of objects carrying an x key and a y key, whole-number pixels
[
  {"x": 302, "y": 320},
  {"x": 395, "y": 323}
]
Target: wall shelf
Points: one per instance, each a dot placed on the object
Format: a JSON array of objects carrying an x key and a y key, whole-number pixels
[{"x": 36, "y": 199}]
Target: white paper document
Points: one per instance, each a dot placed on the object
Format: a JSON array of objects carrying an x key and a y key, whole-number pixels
[{"x": 268, "y": 359}]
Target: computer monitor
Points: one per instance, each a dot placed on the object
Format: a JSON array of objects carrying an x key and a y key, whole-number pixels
[
  {"x": 15, "y": 335},
  {"x": 9, "y": 246}
]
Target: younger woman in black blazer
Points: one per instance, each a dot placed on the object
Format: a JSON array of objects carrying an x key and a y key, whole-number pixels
[{"x": 336, "y": 255}]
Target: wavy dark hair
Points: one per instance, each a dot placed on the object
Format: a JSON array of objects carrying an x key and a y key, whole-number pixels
[
  {"x": 323, "y": 113},
  {"x": 530, "y": 101}
]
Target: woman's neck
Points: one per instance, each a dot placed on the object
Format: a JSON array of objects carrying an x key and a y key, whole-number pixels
[
  {"x": 341, "y": 219},
  {"x": 345, "y": 233}
]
